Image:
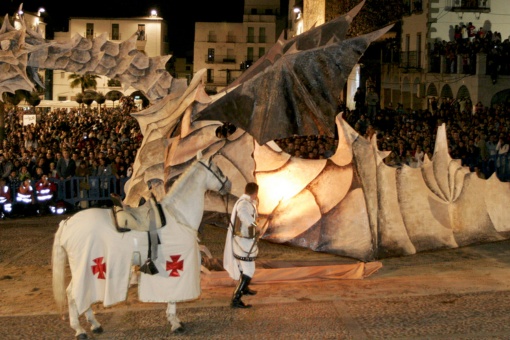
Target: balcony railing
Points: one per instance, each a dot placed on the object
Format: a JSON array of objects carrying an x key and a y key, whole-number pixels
[
  {"x": 410, "y": 59},
  {"x": 116, "y": 36},
  {"x": 482, "y": 6},
  {"x": 220, "y": 59},
  {"x": 262, "y": 39},
  {"x": 413, "y": 7}
]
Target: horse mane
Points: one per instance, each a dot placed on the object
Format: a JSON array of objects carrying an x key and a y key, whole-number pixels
[{"x": 179, "y": 183}]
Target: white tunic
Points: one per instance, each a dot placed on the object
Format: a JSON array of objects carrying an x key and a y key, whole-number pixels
[{"x": 241, "y": 251}]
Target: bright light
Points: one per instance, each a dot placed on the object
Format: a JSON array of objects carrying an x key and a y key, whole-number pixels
[
  {"x": 297, "y": 10},
  {"x": 41, "y": 10},
  {"x": 8, "y": 207},
  {"x": 154, "y": 13},
  {"x": 274, "y": 188}
]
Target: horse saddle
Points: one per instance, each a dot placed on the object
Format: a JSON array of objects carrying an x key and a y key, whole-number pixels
[{"x": 127, "y": 218}]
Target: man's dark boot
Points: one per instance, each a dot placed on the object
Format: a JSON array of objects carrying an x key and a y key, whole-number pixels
[
  {"x": 236, "y": 299},
  {"x": 247, "y": 290}
]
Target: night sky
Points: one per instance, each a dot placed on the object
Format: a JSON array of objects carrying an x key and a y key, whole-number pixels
[{"x": 180, "y": 15}]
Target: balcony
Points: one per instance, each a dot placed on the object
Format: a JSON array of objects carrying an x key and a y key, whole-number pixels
[
  {"x": 231, "y": 38},
  {"x": 410, "y": 60},
  {"x": 262, "y": 39},
  {"x": 478, "y": 6},
  {"x": 412, "y": 7},
  {"x": 220, "y": 59},
  {"x": 141, "y": 41},
  {"x": 116, "y": 36}
]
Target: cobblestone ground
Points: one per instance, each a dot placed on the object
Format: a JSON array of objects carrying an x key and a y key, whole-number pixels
[{"x": 451, "y": 294}]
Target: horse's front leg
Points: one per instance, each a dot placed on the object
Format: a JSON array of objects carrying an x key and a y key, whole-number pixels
[
  {"x": 171, "y": 314},
  {"x": 95, "y": 327},
  {"x": 74, "y": 317}
]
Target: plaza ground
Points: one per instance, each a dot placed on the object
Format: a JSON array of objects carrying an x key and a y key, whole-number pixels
[{"x": 449, "y": 294}]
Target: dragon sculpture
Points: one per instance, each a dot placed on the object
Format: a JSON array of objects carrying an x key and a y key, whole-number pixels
[{"x": 351, "y": 204}]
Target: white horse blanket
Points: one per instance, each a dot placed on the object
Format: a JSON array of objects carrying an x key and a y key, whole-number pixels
[{"x": 100, "y": 259}]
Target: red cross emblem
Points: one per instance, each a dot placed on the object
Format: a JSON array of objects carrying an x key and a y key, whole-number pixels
[
  {"x": 174, "y": 266},
  {"x": 99, "y": 267}
]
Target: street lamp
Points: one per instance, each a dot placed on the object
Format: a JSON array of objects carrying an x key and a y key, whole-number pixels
[
  {"x": 41, "y": 10},
  {"x": 154, "y": 13}
]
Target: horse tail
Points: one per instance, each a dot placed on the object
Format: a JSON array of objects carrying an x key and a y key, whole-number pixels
[{"x": 59, "y": 260}]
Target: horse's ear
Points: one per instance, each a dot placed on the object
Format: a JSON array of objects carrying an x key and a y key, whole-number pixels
[{"x": 199, "y": 155}]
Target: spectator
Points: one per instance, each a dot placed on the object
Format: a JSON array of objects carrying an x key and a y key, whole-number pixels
[
  {"x": 371, "y": 100},
  {"x": 66, "y": 167},
  {"x": 359, "y": 100}
]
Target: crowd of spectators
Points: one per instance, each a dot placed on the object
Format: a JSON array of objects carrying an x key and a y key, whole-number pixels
[
  {"x": 68, "y": 142},
  {"x": 477, "y": 135},
  {"x": 76, "y": 142},
  {"x": 467, "y": 41}
]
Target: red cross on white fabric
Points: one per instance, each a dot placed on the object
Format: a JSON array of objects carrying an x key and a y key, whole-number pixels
[
  {"x": 99, "y": 267},
  {"x": 174, "y": 266}
]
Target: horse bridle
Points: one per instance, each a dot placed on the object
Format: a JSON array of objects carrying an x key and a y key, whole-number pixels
[
  {"x": 208, "y": 167},
  {"x": 223, "y": 183}
]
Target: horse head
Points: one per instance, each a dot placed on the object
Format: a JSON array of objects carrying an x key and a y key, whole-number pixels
[{"x": 217, "y": 181}]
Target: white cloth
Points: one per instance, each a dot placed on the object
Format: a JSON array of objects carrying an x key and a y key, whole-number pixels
[
  {"x": 178, "y": 264},
  {"x": 99, "y": 258},
  {"x": 246, "y": 211}
]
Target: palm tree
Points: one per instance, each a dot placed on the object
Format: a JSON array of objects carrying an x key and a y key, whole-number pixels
[{"x": 84, "y": 81}]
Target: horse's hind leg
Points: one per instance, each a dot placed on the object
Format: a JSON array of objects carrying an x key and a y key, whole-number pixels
[
  {"x": 74, "y": 317},
  {"x": 95, "y": 327},
  {"x": 171, "y": 314}
]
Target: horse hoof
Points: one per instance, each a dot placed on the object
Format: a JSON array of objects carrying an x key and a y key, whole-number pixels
[
  {"x": 98, "y": 330},
  {"x": 82, "y": 336}
]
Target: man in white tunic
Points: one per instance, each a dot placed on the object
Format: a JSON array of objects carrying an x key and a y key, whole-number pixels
[{"x": 241, "y": 244}]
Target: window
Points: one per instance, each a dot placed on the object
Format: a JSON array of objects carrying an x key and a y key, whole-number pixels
[
  {"x": 250, "y": 38},
  {"x": 115, "y": 32},
  {"x": 262, "y": 34},
  {"x": 211, "y": 37},
  {"x": 262, "y": 51},
  {"x": 210, "y": 75},
  {"x": 249, "y": 54},
  {"x": 231, "y": 38},
  {"x": 418, "y": 50},
  {"x": 141, "y": 32},
  {"x": 210, "y": 54},
  {"x": 89, "y": 34}
]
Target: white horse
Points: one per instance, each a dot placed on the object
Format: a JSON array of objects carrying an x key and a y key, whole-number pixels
[{"x": 100, "y": 257}]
